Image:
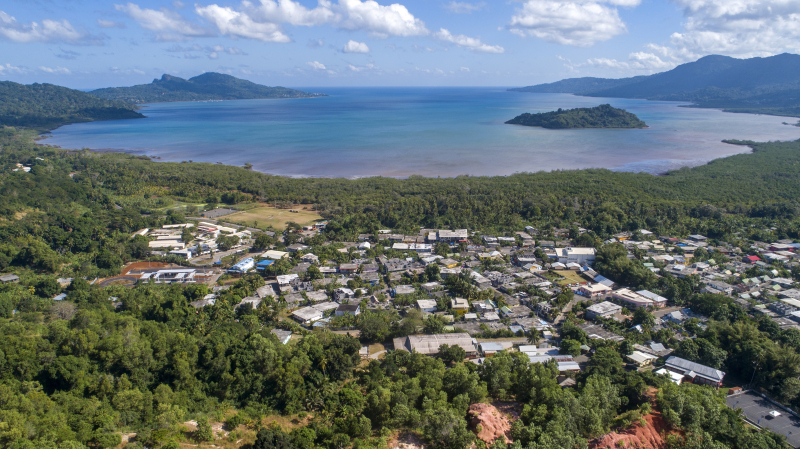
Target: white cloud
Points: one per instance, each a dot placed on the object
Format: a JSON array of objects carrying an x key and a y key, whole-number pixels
[
  {"x": 109, "y": 24},
  {"x": 637, "y": 62},
  {"x": 264, "y": 20},
  {"x": 467, "y": 42},
  {"x": 379, "y": 20},
  {"x": 315, "y": 43},
  {"x": 168, "y": 25},
  {"x": 465, "y": 69},
  {"x": 317, "y": 65},
  {"x": 61, "y": 70},
  {"x": 578, "y": 23},
  {"x": 239, "y": 24},
  {"x": 60, "y": 32},
  {"x": 464, "y": 7},
  {"x": 355, "y": 47},
  {"x": 360, "y": 68},
  {"x": 8, "y": 68},
  {"x": 740, "y": 28}
]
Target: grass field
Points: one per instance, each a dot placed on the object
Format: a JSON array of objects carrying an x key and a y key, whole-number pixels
[
  {"x": 570, "y": 277},
  {"x": 266, "y": 216}
]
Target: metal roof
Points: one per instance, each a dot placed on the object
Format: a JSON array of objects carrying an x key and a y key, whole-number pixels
[{"x": 700, "y": 370}]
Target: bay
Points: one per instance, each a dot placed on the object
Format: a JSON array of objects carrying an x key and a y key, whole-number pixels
[{"x": 357, "y": 132}]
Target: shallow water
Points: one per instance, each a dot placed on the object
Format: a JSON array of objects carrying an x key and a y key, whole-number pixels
[{"x": 426, "y": 131}]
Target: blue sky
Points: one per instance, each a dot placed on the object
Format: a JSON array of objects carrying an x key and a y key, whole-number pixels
[{"x": 89, "y": 44}]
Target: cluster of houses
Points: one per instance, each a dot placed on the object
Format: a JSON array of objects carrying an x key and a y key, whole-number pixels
[{"x": 169, "y": 239}]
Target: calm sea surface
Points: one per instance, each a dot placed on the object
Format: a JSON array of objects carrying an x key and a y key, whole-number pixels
[{"x": 426, "y": 131}]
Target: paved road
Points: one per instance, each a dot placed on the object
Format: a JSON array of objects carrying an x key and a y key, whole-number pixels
[
  {"x": 755, "y": 409},
  {"x": 661, "y": 312},
  {"x": 568, "y": 308},
  {"x": 377, "y": 354}
]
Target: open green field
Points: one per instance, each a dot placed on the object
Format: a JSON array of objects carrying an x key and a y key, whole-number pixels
[
  {"x": 570, "y": 277},
  {"x": 267, "y": 216}
]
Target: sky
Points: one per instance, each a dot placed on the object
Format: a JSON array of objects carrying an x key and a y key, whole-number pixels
[{"x": 295, "y": 43}]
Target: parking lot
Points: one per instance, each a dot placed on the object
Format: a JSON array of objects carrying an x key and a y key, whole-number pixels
[{"x": 756, "y": 409}]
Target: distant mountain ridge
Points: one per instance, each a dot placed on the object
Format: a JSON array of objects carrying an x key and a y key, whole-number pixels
[
  {"x": 758, "y": 85},
  {"x": 208, "y": 86},
  {"x": 47, "y": 106}
]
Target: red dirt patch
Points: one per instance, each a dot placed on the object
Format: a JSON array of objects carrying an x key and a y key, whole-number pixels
[
  {"x": 650, "y": 436},
  {"x": 493, "y": 423},
  {"x": 142, "y": 266}
]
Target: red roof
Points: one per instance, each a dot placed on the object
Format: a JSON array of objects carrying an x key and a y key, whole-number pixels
[{"x": 752, "y": 258}]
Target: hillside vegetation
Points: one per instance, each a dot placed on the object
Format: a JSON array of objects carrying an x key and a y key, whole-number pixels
[
  {"x": 603, "y": 116},
  {"x": 46, "y": 106},
  {"x": 208, "y": 86},
  {"x": 757, "y": 85}
]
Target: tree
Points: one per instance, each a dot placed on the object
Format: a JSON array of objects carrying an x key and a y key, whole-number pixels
[
  {"x": 47, "y": 287},
  {"x": 445, "y": 430},
  {"x": 263, "y": 241},
  {"x": 534, "y": 336},
  {"x": 452, "y": 354},
  {"x": 606, "y": 362},
  {"x": 373, "y": 327},
  {"x": 433, "y": 325},
  {"x": 204, "y": 431},
  {"x": 570, "y": 347},
  {"x": 642, "y": 316}
]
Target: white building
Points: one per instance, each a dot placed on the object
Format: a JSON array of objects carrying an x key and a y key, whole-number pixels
[{"x": 580, "y": 256}]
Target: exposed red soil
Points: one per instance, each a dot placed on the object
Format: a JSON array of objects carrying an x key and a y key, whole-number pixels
[
  {"x": 143, "y": 265},
  {"x": 650, "y": 436},
  {"x": 489, "y": 423}
]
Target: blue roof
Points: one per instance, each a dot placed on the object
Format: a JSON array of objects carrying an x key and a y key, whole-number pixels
[{"x": 266, "y": 263}]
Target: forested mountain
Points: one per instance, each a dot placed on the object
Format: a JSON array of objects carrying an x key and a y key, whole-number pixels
[
  {"x": 762, "y": 85},
  {"x": 603, "y": 116},
  {"x": 208, "y": 86},
  {"x": 46, "y": 106}
]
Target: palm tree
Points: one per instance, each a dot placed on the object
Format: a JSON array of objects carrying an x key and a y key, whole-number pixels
[{"x": 534, "y": 336}]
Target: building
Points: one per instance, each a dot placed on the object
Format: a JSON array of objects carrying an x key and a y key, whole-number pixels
[
  {"x": 243, "y": 266},
  {"x": 634, "y": 299},
  {"x": 593, "y": 290},
  {"x": 307, "y": 315},
  {"x": 429, "y": 344},
  {"x": 275, "y": 255},
  {"x": 427, "y": 305},
  {"x": 641, "y": 359},
  {"x": 596, "y": 332},
  {"x": 604, "y": 309},
  {"x": 459, "y": 305},
  {"x": 580, "y": 256},
  {"x": 283, "y": 336},
  {"x": 658, "y": 301},
  {"x": 403, "y": 290},
  {"x": 7, "y": 278},
  {"x": 489, "y": 349},
  {"x": 695, "y": 372},
  {"x": 348, "y": 309},
  {"x": 317, "y": 296},
  {"x": 453, "y": 236},
  {"x": 171, "y": 276}
]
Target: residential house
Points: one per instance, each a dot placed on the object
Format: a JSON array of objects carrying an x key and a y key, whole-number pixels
[
  {"x": 695, "y": 372},
  {"x": 403, "y": 290},
  {"x": 634, "y": 299},
  {"x": 427, "y": 305},
  {"x": 429, "y": 344},
  {"x": 307, "y": 315},
  {"x": 283, "y": 336},
  {"x": 593, "y": 290},
  {"x": 8, "y": 278},
  {"x": 343, "y": 294},
  {"x": 348, "y": 309},
  {"x": 604, "y": 309},
  {"x": 459, "y": 305}
]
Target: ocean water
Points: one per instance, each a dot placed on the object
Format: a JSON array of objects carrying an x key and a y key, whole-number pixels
[{"x": 398, "y": 132}]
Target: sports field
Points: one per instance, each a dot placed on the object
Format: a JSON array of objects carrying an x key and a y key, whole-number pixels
[{"x": 264, "y": 216}]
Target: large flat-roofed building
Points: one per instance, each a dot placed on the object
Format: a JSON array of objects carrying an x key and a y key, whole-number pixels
[
  {"x": 307, "y": 315},
  {"x": 170, "y": 276},
  {"x": 243, "y": 266},
  {"x": 453, "y": 236},
  {"x": 429, "y": 344},
  {"x": 580, "y": 256},
  {"x": 695, "y": 372},
  {"x": 593, "y": 290},
  {"x": 635, "y": 299},
  {"x": 604, "y": 309}
]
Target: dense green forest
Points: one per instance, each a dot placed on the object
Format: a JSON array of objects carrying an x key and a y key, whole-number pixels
[
  {"x": 46, "y": 106},
  {"x": 208, "y": 86},
  {"x": 757, "y": 85},
  {"x": 603, "y": 116}
]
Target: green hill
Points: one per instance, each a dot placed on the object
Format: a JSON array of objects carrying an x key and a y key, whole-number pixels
[
  {"x": 208, "y": 86},
  {"x": 46, "y": 106},
  {"x": 603, "y": 116},
  {"x": 758, "y": 85}
]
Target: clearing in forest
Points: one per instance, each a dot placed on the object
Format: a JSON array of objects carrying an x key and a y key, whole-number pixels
[{"x": 264, "y": 216}]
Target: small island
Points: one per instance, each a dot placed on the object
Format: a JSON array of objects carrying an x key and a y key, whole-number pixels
[{"x": 603, "y": 116}]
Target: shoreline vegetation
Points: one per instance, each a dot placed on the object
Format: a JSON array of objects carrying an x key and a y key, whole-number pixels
[{"x": 603, "y": 116}]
